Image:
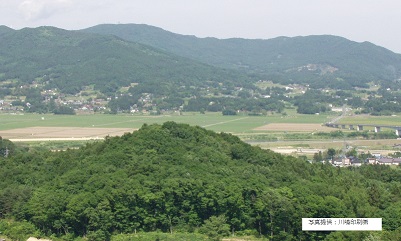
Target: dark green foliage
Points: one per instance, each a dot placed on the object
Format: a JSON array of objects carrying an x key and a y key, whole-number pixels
[
  {"x": 177, "y": 178},
  {"x": 34, "y": 101},
  {"x": 64, "y": 110},
  {"x": 357, "y": 134},
  {"x": 4, "y": 92},
  {"x": 7, "y": 148},
  {"x": 229, "y": 112},
  {"x": 385, "y": 135},
  {"x": 331, "y": 152},
  {"x": 220, "y": 104},
  {"x": 312, "y": 102},
  {"x": 387, "y": 104}
]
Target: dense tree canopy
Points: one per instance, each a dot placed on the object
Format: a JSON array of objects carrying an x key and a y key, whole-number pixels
[{"x": 174, "y": 177}]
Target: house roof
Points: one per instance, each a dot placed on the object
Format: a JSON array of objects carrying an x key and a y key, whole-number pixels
[
  {"x": 397, "y": 160},
  {"x": 385, "y": 160}
]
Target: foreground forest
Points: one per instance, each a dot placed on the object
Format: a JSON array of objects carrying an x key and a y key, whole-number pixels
[{"x": 175, "y": 178}]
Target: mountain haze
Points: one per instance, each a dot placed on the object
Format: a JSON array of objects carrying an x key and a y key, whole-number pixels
[
  {"x": 304, "y": 59},
  {"x": 4, "y": 29}
]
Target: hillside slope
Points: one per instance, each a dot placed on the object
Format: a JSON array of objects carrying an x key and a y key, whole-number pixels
[
  {"x": 299, "y": 59},
  {"x": 174, "y": 177},
  {"x": 70, "y": 60}
]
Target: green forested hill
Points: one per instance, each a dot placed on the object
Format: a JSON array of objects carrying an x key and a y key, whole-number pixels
[
  {"x": 282, "y": 59},
  {"x": 70, "y": 60},
  {"x": 177, "y": 178}
]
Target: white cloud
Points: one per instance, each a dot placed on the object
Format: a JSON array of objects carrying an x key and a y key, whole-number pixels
[{"x": 39, "y": 9}]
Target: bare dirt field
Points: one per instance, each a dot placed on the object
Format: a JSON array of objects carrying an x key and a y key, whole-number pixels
[
  {"x": 309, "y": 147},
  {"x": 40, "y": 133},
  {"x": 293, "y": 127}
]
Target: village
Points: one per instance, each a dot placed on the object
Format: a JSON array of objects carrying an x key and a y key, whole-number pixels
[{"x": 377, "y": 159}]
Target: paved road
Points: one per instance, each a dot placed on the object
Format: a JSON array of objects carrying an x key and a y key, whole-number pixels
[{"x": 344, "y": 113}]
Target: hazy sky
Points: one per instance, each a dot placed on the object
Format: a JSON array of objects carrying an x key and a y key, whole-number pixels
[{"x": 376, "y": 21}]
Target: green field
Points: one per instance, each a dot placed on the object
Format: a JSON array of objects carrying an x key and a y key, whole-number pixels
[
  {"x": 394, "y": 120},
  {"x": 212, "y": 121},
  {"x": 241, "y": 125}
]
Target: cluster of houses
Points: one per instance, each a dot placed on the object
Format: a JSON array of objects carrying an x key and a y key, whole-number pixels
[{"x": 353, "y": 161}]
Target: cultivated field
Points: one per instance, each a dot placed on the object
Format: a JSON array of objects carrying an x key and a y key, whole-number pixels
[
  {"x": 308, "y": 147},
  {"x": 266, "y": 131},
  {"x": 394, "y": 120},
  {"x": 212, "y": 121},
  {"x": 294, "y": 127},
  {"x": 61, "y": 133}
]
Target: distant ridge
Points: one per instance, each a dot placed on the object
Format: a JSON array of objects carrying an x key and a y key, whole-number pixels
[
  {"x": 109, "y": 57},
  {"x": 69, "y": 60},
  {"x": 302, "y": 59},
  {"x": 5, "y": 29}
]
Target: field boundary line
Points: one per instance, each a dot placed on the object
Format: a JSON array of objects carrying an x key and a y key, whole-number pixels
[
  {"x": 113, "y": 123},
  {"x": 223, "y": 122}
]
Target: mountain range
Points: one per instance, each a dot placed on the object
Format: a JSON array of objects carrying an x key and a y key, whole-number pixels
[
  {"x": 304, "y": 59},
  {"x": 69, "y": 60},
  {"x": 112, "y": 56}
]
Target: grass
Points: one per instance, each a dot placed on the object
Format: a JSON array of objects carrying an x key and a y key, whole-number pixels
[
  {"x": 212, "y": 121},
  {"x": 372, "y": 120}
]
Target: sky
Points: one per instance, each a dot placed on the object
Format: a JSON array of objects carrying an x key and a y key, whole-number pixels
[{"x": 376, "y": 21}]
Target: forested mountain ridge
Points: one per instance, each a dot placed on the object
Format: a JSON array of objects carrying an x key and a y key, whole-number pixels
[
  {"x": 177, "y": 178},
  {"x": 5, "y": 29},
  {"x": 42, "y": 68},
  {"x": 307, "y": 59},
  {"x": 69, "y": 60}
]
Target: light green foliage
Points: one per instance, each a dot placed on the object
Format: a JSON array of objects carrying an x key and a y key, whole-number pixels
[
  {"x": 18, "y": 231},
  {"x": 216, "y": 227},
  {"x": 152, "y": 236},
  {"x": 373, "y": 237}
]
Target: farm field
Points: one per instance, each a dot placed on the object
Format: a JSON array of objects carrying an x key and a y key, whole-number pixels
[
  {"x": 394, "y": 120},
  {"x": 212, "y": 121},
  {"x": 269, "y": 131},
  {"x": 309, "y": 147},
  {"x": 302, "y": 127},
  {"x": 61, "y": 133}
]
